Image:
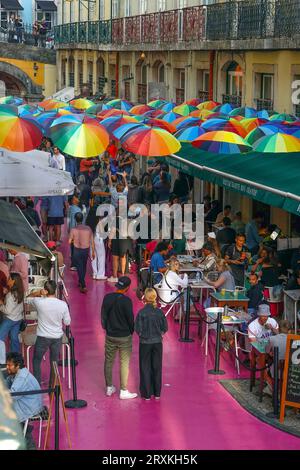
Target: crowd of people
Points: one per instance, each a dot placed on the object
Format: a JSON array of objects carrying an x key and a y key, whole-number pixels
[{"x": 18, "y": 32}]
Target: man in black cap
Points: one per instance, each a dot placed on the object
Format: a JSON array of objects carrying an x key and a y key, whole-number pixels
[{"x": 118, "y": 322}]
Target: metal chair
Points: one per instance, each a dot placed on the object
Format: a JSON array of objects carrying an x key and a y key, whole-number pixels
[
  {"x": 238, "y": 348},
  {"x": 39, "y": 418},
  {"x": 164, "y": 299}
]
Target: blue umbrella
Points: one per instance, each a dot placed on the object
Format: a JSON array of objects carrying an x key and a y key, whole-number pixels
[
  {"x": 189, "y": 134},
  {"x": 170, "y": 116},
  {"x": 127, "y": 128}
]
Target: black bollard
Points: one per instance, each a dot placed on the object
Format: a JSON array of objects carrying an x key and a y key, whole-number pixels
[
  {"x": 60, "y": 289},
  {"x": 60, "y": 362},
  {"x": 187, "y": 338},
  {"x": 75, "y": 403},
  {"x": 275, "y": 398},
  {"x": 216, "y": 370},
  {"x": 56, "y": 395}
]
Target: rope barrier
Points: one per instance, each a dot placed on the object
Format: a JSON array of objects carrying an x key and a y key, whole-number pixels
[{"x": 201, "y": 316}]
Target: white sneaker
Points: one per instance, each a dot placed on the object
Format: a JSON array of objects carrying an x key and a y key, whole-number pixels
[
  {"x": 126, "y": 395},
  {"x": 113, "y": 279},
  {"x": 94, "y": 276},
  {"x": 110, "y": 391},
  {"x": 101, "y": 278}
]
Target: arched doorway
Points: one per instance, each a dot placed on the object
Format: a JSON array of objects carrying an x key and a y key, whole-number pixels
[
  {"x": 18, "y": 83},
  {"x": 142, "y": 78},
  {"x": 158, "y": 88}
]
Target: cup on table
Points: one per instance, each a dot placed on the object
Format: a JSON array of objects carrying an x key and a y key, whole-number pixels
[
  {"x": 223, "y": 292},
  {"x": 236, "y": 293}
]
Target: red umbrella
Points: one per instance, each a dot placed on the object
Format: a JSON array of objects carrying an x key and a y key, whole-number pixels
[
  {"x": 162, "y": 124},
  {"x": 141, "y": 109}
]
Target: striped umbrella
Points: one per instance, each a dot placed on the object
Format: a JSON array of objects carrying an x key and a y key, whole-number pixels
[
  {"x": 112, "y": 112},
  {"x": 157, "y": 104},
  {"x": 170, "y": 117},
  {"x": 150, "y": 142},
  {"x": 18, "y": 133},
  {"x": 189, "y": 134},
  {"x": 127, "y": 128},
  {"x": 82, "y": 104},
  {"x": 201, "y": 113},
  {"x": 283, "y": 117},
  {"x": 114, "y": 122},
  {"x": 252, "y": 123},
  {"x": 83, "y": 137},
  {"x": 140, "y": 109},
  {"x": 222, "y": 125},
  {"x": 259, "y": 132},
  {"x": 277, "y": 143},
  {"x": 184, "y": 109},
  {"x": 193, "y": 102},
  {"x": 222, "y": 142},
  {"x": 50, "y": 104},
  {"x": 263, "y": 114},
  {"x": 168, "y": 107},
  {"x": 47, "y": 118},
  {"x": 124, "y": 105},
  {"x": 225, "y": 108},
  {"x": 244, "y": 111},
  {"x": 207, "y": 105},
  {"x": 14, "y": 100},
  {"x": 95, "y": 109},
  {"x": 182, "y": 122},
  {"x": 161, "y": 124}
]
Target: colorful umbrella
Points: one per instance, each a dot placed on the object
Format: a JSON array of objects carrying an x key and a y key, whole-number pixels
[
  {"x": 193, "y": 102},
  {"x": 170, "y": 117},
  {"x": 168, "y": 107},
  {"x": 112, "y": 112},
  {"x": 95, "y": 109},
  {"x": 140, "y": 109},
  {"x": 207, "y": 105},
  {"x": 277, "y": 143},
  {"x": 161, "y": 124},
  {"x": 81, "y": 103},
  {"x": 82, "y": 138},
  {"x": 18, "y": 133},
  {"x": 157, "y": 104},
  {"x": 244, "y": 111},
  {"x": 189, "y": 134},
  {"x": 124, "y": 105},
  {"x": 222, "y": 142},
  {"x": 150, "y": 142},
  {"x": 127, "y": 128},
  {"x": 201, "y": 113},
  {"x": 259, "y": 132},
  {"x": 47, "y": 118},
  {"x": 183, "y": 122},
  {"x": 184, "y": 109},
  {"x": 50, "y": 104},
  {"x": 114, "y": 122},
  {"x": 154, "y": 113},
  {"x": 263, "y": 113},
  {"x": 283, "y": 117},
  {"x": 222, "y": 125},
  {"x": 225, "y": 108},
  {"x": 218, "y": 116},
  {"x": 14, "y": 100},
  {"x": 252, "y": 123}
]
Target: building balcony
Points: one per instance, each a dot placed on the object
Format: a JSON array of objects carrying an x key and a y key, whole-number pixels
[
  {"x": 235, "y": 100},
  {"x": 262, "y": 103},
  {"x": 246, "y": 24}
]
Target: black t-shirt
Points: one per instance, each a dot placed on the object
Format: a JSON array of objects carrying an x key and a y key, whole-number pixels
[
  {"x": 255, "y": 295},
  {"x": 117, "y": 315},
  {"x": 226, "y": 236}
]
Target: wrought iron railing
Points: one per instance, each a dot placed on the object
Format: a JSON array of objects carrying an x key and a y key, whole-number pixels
[
  {"x": 27, "y": 35},
  {"x": 297, "y": 110},
  {"x": 233, "y": 19},
  {"x": 142, "y": 93},
  {"x": 235, "y": 100},
  {"x": 203, "y": 95},
  {"x": 179, "y": 93},
  {"x": 262, "y": 103}
]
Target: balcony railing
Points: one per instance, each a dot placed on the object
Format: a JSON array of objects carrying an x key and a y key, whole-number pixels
[
  {"x": 26, "y": 36},
  {"x": 235, "y": 100},
  {"x": 262, "y": 103},
  {"x": 240, "y": 20},
  {"x": 203, "y": 95}
]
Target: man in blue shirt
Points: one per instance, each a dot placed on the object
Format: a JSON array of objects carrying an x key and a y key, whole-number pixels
[
  {"x": 157, "y": 263},
  {"x": 56, "y": 208},
  {"x": 253, "y": 238}
]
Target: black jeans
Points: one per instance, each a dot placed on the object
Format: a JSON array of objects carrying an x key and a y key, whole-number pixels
[
  {"x": 80, "y": 257},
  {"x": 41, "y": 347},
  {"x": 150, "y": 369}
]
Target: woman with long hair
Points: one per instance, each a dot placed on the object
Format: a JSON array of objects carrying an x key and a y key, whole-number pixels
[
  {"x": 12, "y": 307},
  {"x": 150, "y": 325},
  {"x": 162, "y": 188},
  {"x": 226, "y": 279},
  {"x": 145, "y": 192}
]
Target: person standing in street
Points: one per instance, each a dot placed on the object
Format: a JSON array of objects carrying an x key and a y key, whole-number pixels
[
  {"x": 20, "y": 265},
  {"x": 150, "y": 324},
  {"x": 82, "y": 238},
  {"x": 57, "y": 205},
  {"x": 52, "y": 313},
  {"x": 118, "y": 322}
]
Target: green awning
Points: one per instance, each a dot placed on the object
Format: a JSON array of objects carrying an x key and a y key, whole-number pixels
[{"x": 269, "y": 178}]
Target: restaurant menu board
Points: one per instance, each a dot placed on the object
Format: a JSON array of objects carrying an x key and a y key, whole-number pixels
[{"x": 291, "y": 375}]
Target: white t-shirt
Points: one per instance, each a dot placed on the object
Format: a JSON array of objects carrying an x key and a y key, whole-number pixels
[
  {"x": 256, "y": 330},
  {"x": 59, "y": 161},
  {"x": 52, "y": 313},
  {"x": 172, "y": 281},
  {"x": 11, "y": 309}
]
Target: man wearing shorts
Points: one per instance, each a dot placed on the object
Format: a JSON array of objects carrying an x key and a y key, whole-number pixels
[{"x": 56, "y": 207}]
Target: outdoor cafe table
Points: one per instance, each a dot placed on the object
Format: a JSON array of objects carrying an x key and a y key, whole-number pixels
[
  {"x": 229, "y": 299},
  {"x": 233, "y": 321},
  {"x": 258, "y": 358},
  {"x": 291, "y": 297}
]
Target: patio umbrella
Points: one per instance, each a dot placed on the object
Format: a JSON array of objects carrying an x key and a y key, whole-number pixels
[
  {"x": 222, "y": 125},
  {"x": 140, "y": 109},
  {"x": 114, "y": 122},
  {"x": 207, "y": 105},
  {"x": 50, "y": 104},
  {"x": 189, "y": 134},
  {"x": 18, "y": 133},
  {"x": 157, "y": 104},
  {"x": 277, "y": 143},
  {"x": 182, "y": 122},
  {"x": 222, "y": 142},
  {"x": 225, "y": 108},
  {"x": 46, "y": 119},
  {"x": 105, "y": 113},
  {"x": 184, "y": 109},
  {"x": 162, "y": 124},
  {"x": 244, "y": 111},
  {"x": 168, "y": 107},
  {"x": 201, "y": 113},
  {"x": 82, "y": 103},
  {"x": 80, "y": 138},
  {"x": 95, "y": 109},
  {"x": 259, "y": 132},
  {"x": 150, "y": 142},
  {"x": 263, "y": 113},
  {"x": 170, "y": 117},
  {"x": 124, "y": 105},
  {"x": 126, "y": 128},
  {"x": 252, "y": 123},
  {"x": 15, "y": 100},
  {"x": 283, "y": 117},
  {"x": 154, "y": 113},
  {"x": 193, "y": 102}
]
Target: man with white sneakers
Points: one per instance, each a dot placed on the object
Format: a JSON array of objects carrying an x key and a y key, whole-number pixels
[{"x": 118, "y": 322}]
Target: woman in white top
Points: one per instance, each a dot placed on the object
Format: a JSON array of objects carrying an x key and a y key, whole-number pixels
[
  {"x": 172, "y": 282},
  {"x": 98, "y": 262},
  {"x": 12, "y": 308}
]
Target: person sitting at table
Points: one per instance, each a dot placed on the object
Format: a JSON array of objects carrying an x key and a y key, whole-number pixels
[
  {"x": 236, "y": 256},
  {"x": 254, "y": 294},
  {"x": 209, "y": 261},
  {"x": 259, "y": 259},
  {"x": 224, "y": 214},
  {"x": 294, "y": 281},
  {"x": 226, "y": 279},
  {"x": 157, "y": 263},
  {"x": 173, "y": 281},
  {"x": 263, "y": 327}
]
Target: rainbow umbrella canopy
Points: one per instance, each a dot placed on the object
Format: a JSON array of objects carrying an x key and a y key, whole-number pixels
[
  {"x": 126, "y": 128},
  {"x": 252, "y": 123},
  {"x": 259, "y": 132},
  {"x": 124, "y": 105},
  {"x": 170, "y": 117},
  {"x": 222, "y": 142},
  {"x": 150, "y": 142},
  {"x": 207, "y": 105},
  {"x": 95, "y": 109},
  {"x": 189, "y": 134},
  {"x": 50, "y": 104},
  {"x": 153, "y": 122},
  {"x": 193, "y": 102},
  {"x": 157, "y": 104},
  {"x": 82, "y": 104},
  {"x": 18, "y": 133},
  {"x": 14, "y": 100},
  {"x": 114, "y": 122},
  {"x": 140, "y": 109},
  {"x": 183, "y": 122},
  {"x": 83, "y": 137},
  {"x": 168, "y": 107},
  {"x": 222, "y": 125},
  {"x": 184, "y": 109},
  {"x": 225, "y": 108},
  {"x": 246, "y": 112},
  {"x": 277, "y": 143},
  {"x": 283, "y": 117}
]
